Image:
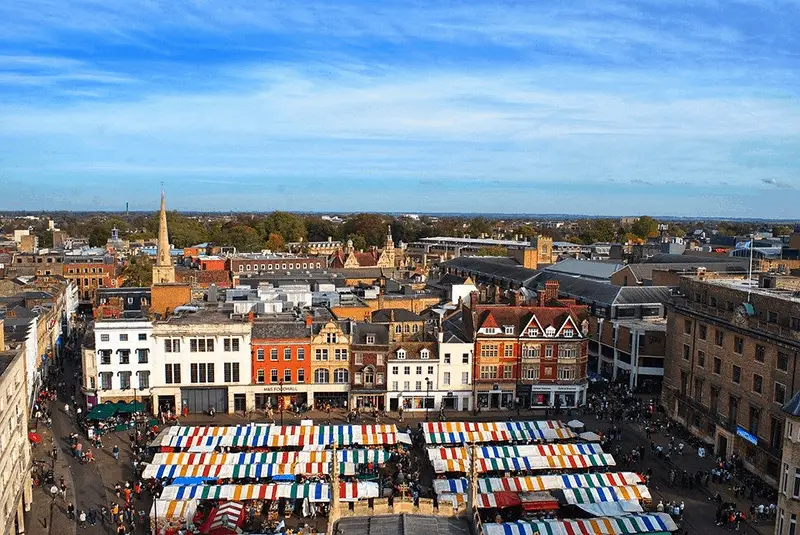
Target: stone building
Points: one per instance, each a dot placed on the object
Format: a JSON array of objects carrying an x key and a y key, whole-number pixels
[
  {"x": 732, "y": 350},
  {"x": 330, "y": 363},
  {"x": 369, "y": 351},
  {"x": 789, "y": 488}
]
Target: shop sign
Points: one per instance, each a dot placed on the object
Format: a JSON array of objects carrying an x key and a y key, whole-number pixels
[
  {"x": 746, "y": 435},
  {"x": 278, "y": 389}
]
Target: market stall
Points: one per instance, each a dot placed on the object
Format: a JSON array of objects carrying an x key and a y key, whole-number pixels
[
  {"x": 517, "y": 464},
  {"x": 224, "y": 520},
  {"x": 626, "y": 525},
  {"x": 171, "y": 516}
]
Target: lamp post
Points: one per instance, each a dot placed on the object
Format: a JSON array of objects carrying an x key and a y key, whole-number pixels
[
  {"x": 280, "y": 399},
  {"x": 427, "y": 396}
]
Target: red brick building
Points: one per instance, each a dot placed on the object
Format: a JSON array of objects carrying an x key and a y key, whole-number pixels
[
  {"x": 90, "y": 273},
  {"x": 281, "y": 355}
]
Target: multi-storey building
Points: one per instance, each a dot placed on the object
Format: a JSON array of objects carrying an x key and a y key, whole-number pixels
[
  {"x": 531, "y": 355},
  {"x": 90, "y": 273},
  {"x": 369, "y": 349},
  {"x": 118, "y": 363},
  {"x": 330, "y": 363},
  {"x": 277, "y": 263},
  {"x": 404, "y": 325},
  {"x": 413, "y": 376},
  {"x": 455, "y": 365},
  {"x": 15, "y": 450},
  {"x": 281, "y": 362},
  {"x": 203, "y": 360},
  {"x": 38, "y": 264},
  {"x": 789, "y": 487},
  {"x": 732, "y": 351}
]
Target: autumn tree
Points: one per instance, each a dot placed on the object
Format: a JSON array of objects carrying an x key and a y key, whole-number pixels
[
  {"x": 645, "y": 227},
  {"x": 290, "y": 226},
  {"x": 275, "y": 242},
  {"x": 139, "y": 272},
  {"x": 371, "y": 227},
  {"x": 494, "y": 250}
]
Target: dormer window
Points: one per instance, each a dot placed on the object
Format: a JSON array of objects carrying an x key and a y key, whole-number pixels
[
  {"x": 508, "y": 329},
  {"x": 424, "y": 354},
  {"x": 401, "y": 354},
  {"x": 489, "y": 330},
  {"x": 550, "y": 331},
  {"x": 370, "y": 339},
  {"x": 533, "y": 332},
  {"x": 569, "y": 333}
]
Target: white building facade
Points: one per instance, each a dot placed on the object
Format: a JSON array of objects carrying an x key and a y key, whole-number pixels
[
  {"x": 455, "y": 373},
  {"x": 413, "y": 377}
]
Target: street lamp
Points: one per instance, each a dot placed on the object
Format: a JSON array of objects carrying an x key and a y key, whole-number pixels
[
  {"x": 427, "y": 396},
  {"x": 280, "y": 400}
]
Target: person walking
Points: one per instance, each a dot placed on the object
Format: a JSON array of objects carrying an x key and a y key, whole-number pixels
[
  {"x": 71, "y": 511},
  {"x": 115, "y": 452},
  {"x": 82, "y": 519}
]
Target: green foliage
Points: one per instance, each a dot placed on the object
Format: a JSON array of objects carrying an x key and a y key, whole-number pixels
[
  {"x": 289, "y": 226},
  {"x": 45, "y": 238},
  {"x": 359, "y": 243},
  {"x": 275, "y": 242},
  {"x": 318, "y": 229},
  {"x": 371, "y": 227},
  {"x": 645, "y": 227},
  {"x": 139, "y": 272},
  {"x": 494, "y": 250},
  {"x": 479, "y": 226}
]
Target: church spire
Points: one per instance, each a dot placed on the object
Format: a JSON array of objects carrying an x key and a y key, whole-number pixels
[{"x": 163, "y": 270}]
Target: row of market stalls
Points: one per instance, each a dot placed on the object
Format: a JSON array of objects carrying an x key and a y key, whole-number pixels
[
  {"x": 538, "y": 476},
  {"x": 281, "y": 469}
]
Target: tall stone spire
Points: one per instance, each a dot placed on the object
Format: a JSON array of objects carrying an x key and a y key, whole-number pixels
[{"x": 163, "y": 270}]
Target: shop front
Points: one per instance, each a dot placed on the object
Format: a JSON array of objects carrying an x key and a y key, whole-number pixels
[
  {"x": 368, "y": 399},
  {"x": 454, "y": 400},
  {"x": 499, "y": 397},
  {"x": 558, "y": 396},
  {"x": 281, "y": 396},
  {"x": 337, "y": 400}
]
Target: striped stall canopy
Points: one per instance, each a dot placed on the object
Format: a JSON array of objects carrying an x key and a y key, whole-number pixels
[
  {"x": 197, "y": 492},
  {"x": 203, "y": 442},
  {"x": 491, "y": 452},
  {"x": 626, "y": 525},
  {"x": 564, "y": 481},
  {"x": 220, "y": 430},
  {"x": 271, "y": 491},
  {"x": 511, "y": 464},
  {"x": 344, "y": 435},
  {"x": 464, "y": 432},
  {"x": 175, "y": 470},
  {"x": 174, "y": 510},
  {"x": 606, "y": 494},
  {"x": 227, "y": 515},
  {"x": 614, "y": 479},
  {"x": 379, "y": 457},
  {"x": 450, "y": 486}
]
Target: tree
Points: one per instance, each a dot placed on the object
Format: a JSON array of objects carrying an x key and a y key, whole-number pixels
[
  {"x": 45, "y": 238},
  {"x": 244, "y": 237},
  {"x": 494, "y": 250},
  {"x": 275, "y": 242},
  {"x": 139, "y": 272},
  {"x": 781, "y": 230},
  {"x": 318, "y": 229},
  {"x": 478, "y": 226},
  {"x": 645, "y": 227},
  {"x": 359, "y": 243},
  {"x": 289, "y": 226},
  {"x": 372, "y": 227}
]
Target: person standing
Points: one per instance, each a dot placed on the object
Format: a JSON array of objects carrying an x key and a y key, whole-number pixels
[
  {"x": 82, "y": 519},
  {"x": 115, "y": 452}
]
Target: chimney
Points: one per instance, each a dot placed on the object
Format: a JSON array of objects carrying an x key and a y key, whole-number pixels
[
  {"x": 516, "y": 298},
  {"x": 473, "y": 300},
  {"x": 541, "y": 298},
  {"x": 309, "y": 320},
  {"x": 551, "y": 290},
  {"x": 250, "y": 316},
  {"x": 440, "y": 336}
]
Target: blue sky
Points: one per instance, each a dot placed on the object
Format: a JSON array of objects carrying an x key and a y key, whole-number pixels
[{"x": 612, "y": 107}]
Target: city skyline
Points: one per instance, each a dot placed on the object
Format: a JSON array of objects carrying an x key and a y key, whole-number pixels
[{"x": 478, "y": 107}]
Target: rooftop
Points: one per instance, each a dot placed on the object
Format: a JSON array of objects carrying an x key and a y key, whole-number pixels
[
  {"x": 497, "y": 267},
  {"x": 6, "y": 358},
  {"x": 751, "y": 285},
  {"x": 585, "y": 268},
  {"x": 653, "y": 324}
]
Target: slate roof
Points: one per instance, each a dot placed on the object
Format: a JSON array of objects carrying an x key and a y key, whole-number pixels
[
  {"x": 493, "y": 267},
  {"x": 413, "y": 349},
  {"x": 454, "y": 331},
  {"x": 602, "y": 293},
  {"x": 793, "y": 407},
  {"x": 585, "y": 268},
  {"x": 362, "y": 329},
  {"x": 269, "y": 330},
  {"x": 666, "y": 258},
  {"x": 519, "y": 317},
  {"x": 391, "y": 315},
  {"x": 404, "y": 524},
  {"x": 644, "y": 271}
]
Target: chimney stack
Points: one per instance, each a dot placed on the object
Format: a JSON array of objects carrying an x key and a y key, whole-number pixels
[
  {"x": 309, "y": 320},
  {"x": 250, "y": 316},
  {"x": 551, "y": 290},
  {"x": 473, "y": 300}
]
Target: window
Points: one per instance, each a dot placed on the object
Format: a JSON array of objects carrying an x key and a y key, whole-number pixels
[
  {"x": 201, "y": 345},
  {"x": 401, "y": 354},
  {"x": 701, "y": 359},
  {"x": 124, "y": 380},
  {"x": 359, "y": 358},
  {"x": 172, "y": 345},
  {"x": 717, "y": 365},
  {"x": 465, "y": 358},
  {"x": 406, "y": 385},
  {"x": 104, "y": 338},
  {"x": 210, "y": 372},
  {"x": 568, "y": 332},
  {"x": 684, "y": 383},
  {"x": 419, "y": 370},
  {"x": 508, "y": 371},
  {"x": 780, "y": 393},
  {"x": 142, "y": 337},
  {"x": 330, "y": 338},
  {"x": 395, "y": 385},
  {"x": 488, "y": 372},
  {"x": 301, "y": 353},
  {"x": 772, "y": 317},
  {"x": 687, "y": 326},
  {"x": 548, "y": 351},
  {"x": 142, "y": 355},
  {"x": 105, "y": 356},
  {"x": 301, "y": 376},
  {"x": 489, "y": 350},
  {"x": 755, "y": 420},
  {"x": 566, "y": 373},
  {"x": 260, "y": 376},
  {"x": 287, "y": 353},
  {"x": 687, "y": 351},
  {"x": 736, "y": 376},
  {"x": 758, "y": 383},
  {"x": 738, "y": 345},
  {"x": 783, "y": 361},
  {"x": 425, "y": 354},
  {"x": 340, "y": 354},
  {"x": 321, "y": 376},
  {"x": 702, "y": 332},
  {"x": 230, "y": 372},
  {"x": 369, "y": 376},
  {"x": 260, "y": 354},
  {"x": 357, "y": 378},
  {"x": 430, "y": 370},
  {"x": 370, "y": 339},
  {"x": 320, "y": 354},
  {"x": 533, "y": 332},
  {"x": 230, "y": 344},
  {"x": 447, "y": 358},
  {"x": 733, "y": 410},
  {"x": 144, "y": 380},
  {"x": 123, "y": 337},
  {"x": 760, "y": 353},
  {"x": 464, "y": 378},
  {"x": 530, "y": 351},
  {"x": 508, "y": 350},
  {"x": 719, "y": 337},
  {"x": 341, "y": 376},
  {"x": 508, "y": 329},
  {"x": 567, "y": 352},
  {"x": 714, "y": 399},
  {"x": 379, "y": 378},
  {"x": 794, "y": 324},
  {"x": 105, "y": 380},
  {"x": 418, "y": 385},
  {"x": 379, "y": 360},
  {"x": 124, "y": 356},
  {"x": 395, "y": 370},
  {"x": 287, "y": 375},
  {"x": 698, "y": 390},
  {"x": 398, "y": 329},
  {"x": 273, "y": 375},
  {"x": 446, "y": 378},
  {"x": 531, "y": 373},
  {"x": 273, "y": 354}
]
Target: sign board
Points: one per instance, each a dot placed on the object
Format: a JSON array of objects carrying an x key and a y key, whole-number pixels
[{"x": 746, "y": 435}]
